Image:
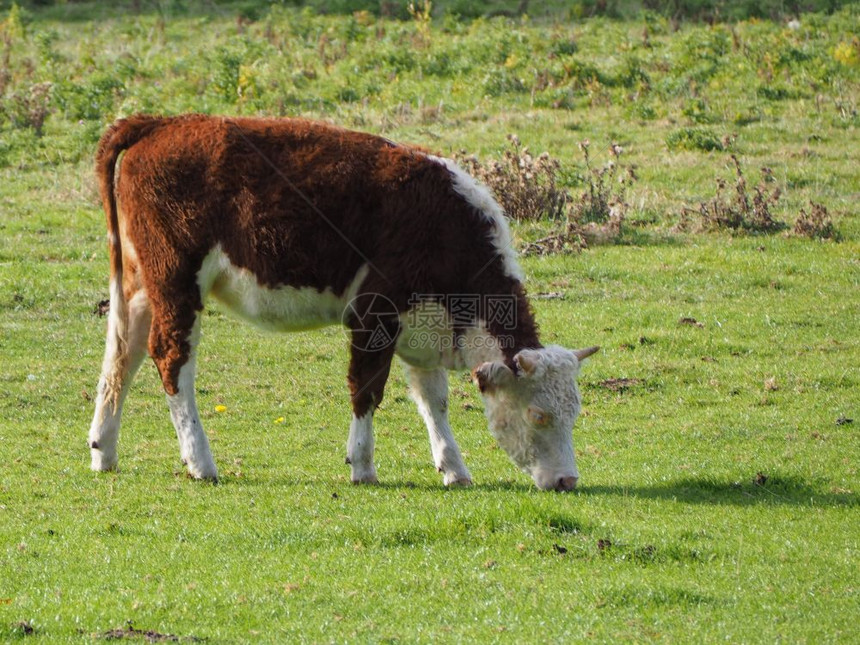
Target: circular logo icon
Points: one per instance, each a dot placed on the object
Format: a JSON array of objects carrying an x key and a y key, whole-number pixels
[{"x": 373, "y": 321}]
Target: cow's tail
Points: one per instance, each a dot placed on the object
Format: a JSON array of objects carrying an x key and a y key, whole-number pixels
[{"x": 119, "y": 137}]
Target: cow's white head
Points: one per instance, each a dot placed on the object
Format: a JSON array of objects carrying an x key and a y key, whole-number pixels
[{"x": 532, "y": 411}]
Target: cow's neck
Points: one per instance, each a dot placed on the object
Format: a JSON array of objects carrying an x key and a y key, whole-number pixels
[{"x": 502, "y": 337}]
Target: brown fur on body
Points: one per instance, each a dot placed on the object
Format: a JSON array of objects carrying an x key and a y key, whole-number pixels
[{"x": 298, "y": 204}]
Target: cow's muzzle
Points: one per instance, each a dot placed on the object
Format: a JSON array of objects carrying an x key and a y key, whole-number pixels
[{"x": 566, "y": 484}]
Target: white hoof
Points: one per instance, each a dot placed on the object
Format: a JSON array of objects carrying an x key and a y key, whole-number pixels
[
  {"x": 207, "y": 471},
  {"x": 364, "y": 475},
  {"x": 457, "y": 479},
  {"x": 103, "y": 461}
]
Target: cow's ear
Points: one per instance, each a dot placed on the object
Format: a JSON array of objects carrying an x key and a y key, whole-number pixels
[
  {"x": 527, "y": 362},
  {"x": 489, "y": 376}
]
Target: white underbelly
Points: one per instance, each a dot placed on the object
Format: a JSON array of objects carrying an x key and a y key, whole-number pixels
[{"x": 280, "y": 309}]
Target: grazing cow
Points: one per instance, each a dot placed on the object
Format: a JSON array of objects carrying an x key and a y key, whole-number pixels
[{"x": 294, "y": 225}]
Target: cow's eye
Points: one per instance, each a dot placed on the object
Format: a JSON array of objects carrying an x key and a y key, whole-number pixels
[{"x": 538, "y": 416}]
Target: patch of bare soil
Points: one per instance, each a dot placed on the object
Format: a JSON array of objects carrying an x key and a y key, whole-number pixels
[
  {"x": 620, "y": 384},
  {"x": 102, "y": 308},
  {"x": 686, "y": 320},
  {"x": 149, "y": 635}
]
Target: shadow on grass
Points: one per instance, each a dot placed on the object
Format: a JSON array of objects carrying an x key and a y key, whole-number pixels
[
  {"x": 774, "y": 491},
  {"x": 504, "y": 486},
  {"x": 394, "y": 485}
]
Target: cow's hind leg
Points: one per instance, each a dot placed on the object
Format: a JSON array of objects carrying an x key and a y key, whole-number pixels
[
  {"x": 173, "y": 345},
  {"x": 429, "y": 390},
  {"x": 121, "y": 362}
]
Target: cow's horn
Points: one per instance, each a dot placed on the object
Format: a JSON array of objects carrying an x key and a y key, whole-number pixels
[{"x": 582, "y": 354}]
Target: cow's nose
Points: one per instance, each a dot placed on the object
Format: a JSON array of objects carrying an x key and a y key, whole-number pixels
[{"x": 566, "y": 484}]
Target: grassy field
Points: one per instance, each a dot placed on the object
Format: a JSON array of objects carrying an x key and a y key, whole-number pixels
[{"x": 718, "y": 445}]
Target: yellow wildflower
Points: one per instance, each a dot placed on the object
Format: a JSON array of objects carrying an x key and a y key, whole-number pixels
[{"x": 848, "y": 53}]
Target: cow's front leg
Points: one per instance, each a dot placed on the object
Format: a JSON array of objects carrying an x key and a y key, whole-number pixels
[
  {"x": 429, "y": 390},
  {"x": 359, "y": 450},
  {"x": 368, "y": 372},
  {"x": 175, "y": 357}
]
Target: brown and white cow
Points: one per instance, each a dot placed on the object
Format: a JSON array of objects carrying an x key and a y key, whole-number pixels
[{"x": 293, "y": 225}]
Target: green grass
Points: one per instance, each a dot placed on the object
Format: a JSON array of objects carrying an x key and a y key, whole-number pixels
[{"x": 718, "y": 499}]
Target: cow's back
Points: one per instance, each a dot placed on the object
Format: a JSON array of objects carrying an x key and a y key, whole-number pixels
[{"x": 294, "y": 202}]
